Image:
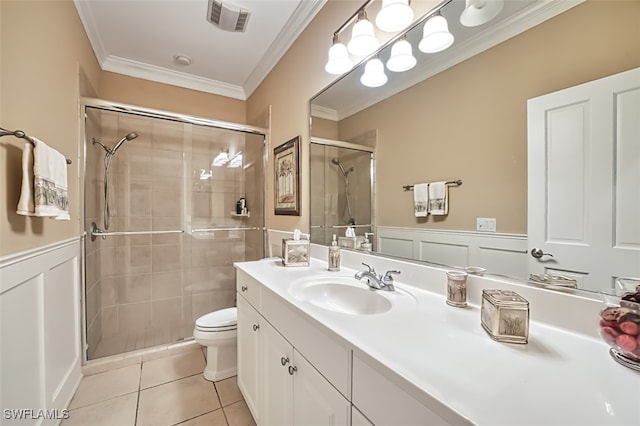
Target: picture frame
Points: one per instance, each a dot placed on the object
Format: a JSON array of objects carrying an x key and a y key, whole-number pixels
[{"x": 286, "y": 159}]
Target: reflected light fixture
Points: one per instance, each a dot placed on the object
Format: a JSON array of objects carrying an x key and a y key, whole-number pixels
[
  {"x": 339, "y": 61},
  {"x": 436, "y": 36},
  {"x": 221, "y": 159},
  {"x": 401, "y": 58},
  {"x": 363, "y": 41},
  {"x": 394, "y": 15},
  {"x": 478, "y": 12},
  {"x": 374, "y": 75},
  {"x": 236, "y": 161}
]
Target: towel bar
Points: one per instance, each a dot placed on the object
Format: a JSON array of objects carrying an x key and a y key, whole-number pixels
[
  {"x": 21, "y": 135},
  {"x": 457, "y": 182}
]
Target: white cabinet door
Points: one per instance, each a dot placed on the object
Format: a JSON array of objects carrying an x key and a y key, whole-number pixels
[
  {"x": 276, "y": 357},
  {"x": 315, "y": 401},
  {"x": 248, "y": 355},
  {"x": 583, "y": 162}
]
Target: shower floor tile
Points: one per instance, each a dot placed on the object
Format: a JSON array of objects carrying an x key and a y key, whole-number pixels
[{"x": 158, "y": 391}]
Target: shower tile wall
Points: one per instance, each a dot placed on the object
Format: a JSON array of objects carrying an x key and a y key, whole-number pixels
[{"x": 155, "y": 286}]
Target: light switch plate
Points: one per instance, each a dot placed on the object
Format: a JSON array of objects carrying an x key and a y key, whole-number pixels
[{"x": 486, "y": 224}]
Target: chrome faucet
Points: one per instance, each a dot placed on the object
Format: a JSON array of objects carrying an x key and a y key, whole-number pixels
[{"x": 376, "y": 281}]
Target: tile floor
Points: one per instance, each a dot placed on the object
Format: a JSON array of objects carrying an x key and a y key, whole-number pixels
[{"x": 157, "y": 391}]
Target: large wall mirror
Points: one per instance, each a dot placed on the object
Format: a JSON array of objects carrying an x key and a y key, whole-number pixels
[{"x": 461, "y": 114}]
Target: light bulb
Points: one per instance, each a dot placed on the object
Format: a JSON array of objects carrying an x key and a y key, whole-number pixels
[
  {"x": 394, "y": 15},
  {"x": 478, "y": 12},
  {"x": 363, "y": 41},
  {"x": 436, "y": 36},
  {"x": 402, "y": 58},
  {"x": 374, "y": 75}
]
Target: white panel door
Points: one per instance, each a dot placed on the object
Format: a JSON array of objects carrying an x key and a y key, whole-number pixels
[
  {"x": 315, "y": 401},
  {"x": 248, "y": 355},
  {"x": 584, "y": 180},
  {"x": 276, "y": 357}
]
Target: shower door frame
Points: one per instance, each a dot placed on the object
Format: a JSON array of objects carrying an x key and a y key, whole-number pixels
[
  {"x": 372, "y": 170},
  {"x": 85, "y": 103}
]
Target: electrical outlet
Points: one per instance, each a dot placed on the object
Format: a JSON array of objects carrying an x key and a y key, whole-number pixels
[{"x": 486, "y": 224}]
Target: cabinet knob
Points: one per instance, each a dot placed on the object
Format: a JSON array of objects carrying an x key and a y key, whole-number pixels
[
  {"x": 292, "y": 369},
  {"x": 284, "y": 361},
  {"x": 244, "y": 288},
  {"x": 256, "y": 327}
]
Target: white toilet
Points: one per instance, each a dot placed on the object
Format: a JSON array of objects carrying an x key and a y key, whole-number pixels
[{"x": 218, "y": 332}]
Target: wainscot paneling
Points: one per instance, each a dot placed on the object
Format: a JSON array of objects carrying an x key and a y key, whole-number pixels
[{"x": 40, "y": 334}]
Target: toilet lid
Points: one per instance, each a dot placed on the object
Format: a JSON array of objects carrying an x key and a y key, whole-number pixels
[{"x": 225, "y": 319}]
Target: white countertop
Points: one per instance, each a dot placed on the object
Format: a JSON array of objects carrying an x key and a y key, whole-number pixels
[{"x": 560, "y": 377}]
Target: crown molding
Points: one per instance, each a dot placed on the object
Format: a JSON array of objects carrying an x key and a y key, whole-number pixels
[
  {"x": 323, "y": 112},
  {"x": 174, "y": 78},
  {"x": 91, "y": 29}
]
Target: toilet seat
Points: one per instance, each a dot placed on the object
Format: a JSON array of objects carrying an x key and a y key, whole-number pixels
[{"x": 222, "y": 320}]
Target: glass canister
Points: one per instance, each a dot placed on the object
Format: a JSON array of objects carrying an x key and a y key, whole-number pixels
[
  {"x": 505, "y": 316},
  {"x": 457, "y": 289}
]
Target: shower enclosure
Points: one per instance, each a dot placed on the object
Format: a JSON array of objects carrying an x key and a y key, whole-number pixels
[
  {"x": 162, "y": 231},
  {"x": 342, "y": 182}
]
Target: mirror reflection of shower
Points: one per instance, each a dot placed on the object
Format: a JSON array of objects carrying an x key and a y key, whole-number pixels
[
  {"x": 345, "y": 175},
  {"x": 110, "y": 152}
]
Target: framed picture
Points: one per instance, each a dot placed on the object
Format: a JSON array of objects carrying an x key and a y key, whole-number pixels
[{"x": 287, "y": 171}]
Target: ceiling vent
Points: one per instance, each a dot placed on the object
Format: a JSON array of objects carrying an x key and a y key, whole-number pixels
[{"x": 227, "y": 16}]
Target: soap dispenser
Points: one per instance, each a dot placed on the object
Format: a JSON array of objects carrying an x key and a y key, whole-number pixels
[
  {"x": 366, "y": 244},
  {"x": 334, "y": 255}
]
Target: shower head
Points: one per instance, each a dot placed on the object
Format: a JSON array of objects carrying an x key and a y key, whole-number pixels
[
  {"x": 339, "y": 164},
  {"x": 128, "y": 137},
  {"x": 112, "y": 151}
]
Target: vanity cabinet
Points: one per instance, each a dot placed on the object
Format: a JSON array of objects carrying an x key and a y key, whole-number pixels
[{"x": 281, "y": 387}]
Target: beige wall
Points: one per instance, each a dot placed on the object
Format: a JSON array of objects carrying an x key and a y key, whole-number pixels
[
  {"x": 43, "y": 46},
  {"x": 470, "y": 122},
  {"x": 149, "y": 94}
]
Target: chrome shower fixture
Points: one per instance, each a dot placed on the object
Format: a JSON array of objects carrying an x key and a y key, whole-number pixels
[
  {"x": 339, "y": 164},
  {"x": 107, "y": 163},
  {"x": 112, "y": 151}
]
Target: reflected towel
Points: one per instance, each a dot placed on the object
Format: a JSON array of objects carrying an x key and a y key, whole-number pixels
[
  {"x": 44, "y": 183},
  {"x": 438, "y": 199},
  {"x": 421, "y": 199}
]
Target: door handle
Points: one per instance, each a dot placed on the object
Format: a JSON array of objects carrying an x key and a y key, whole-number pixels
[{"x": 538, "y": 253}]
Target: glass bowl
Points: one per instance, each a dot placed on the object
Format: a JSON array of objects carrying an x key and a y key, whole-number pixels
[{"x": 620, "y": 325}]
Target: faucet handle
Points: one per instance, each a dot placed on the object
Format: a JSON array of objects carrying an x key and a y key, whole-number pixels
[
  {"x": 371, "y": 268},
  {"x": 388, "y": 276}
]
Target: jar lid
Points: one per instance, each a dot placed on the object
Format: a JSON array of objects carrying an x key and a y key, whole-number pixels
[{"x": 504, "y": 297}]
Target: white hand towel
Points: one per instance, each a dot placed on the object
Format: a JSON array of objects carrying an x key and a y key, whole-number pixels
[
  {"x": 421, "y": 199},
  {"x": 438, "y": 199},
  {"x": 44, "y": 186}
]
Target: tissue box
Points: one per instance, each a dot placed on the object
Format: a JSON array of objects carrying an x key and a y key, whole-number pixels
[
  {"x": 505, "y": 316},
  {"x": 295, "y": 252}
]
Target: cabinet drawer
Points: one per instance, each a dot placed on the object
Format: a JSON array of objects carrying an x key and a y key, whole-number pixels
[
  {"x": 371, "y": 380},
  {"x": 319, "y": 346},
  {"x": 249, "y": 288}
]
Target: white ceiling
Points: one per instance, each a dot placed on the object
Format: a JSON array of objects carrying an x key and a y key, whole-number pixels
[{"x": 140, "y": 38}]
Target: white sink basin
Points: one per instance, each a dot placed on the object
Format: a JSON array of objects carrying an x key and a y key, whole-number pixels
[
  {"x": 346, "y": 299},
  {"x": 346, "y": 295}
]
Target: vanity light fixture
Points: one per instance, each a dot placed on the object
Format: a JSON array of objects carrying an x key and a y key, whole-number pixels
[
  {"x": 401, "y": 58},
  {"x": 363, "y": 40},
  {"x": 339, "y": 61},
  {"x": 436, "y": 36},
  {"x": 374, "y": 75},
  {"x": 394, "y": 15},
  {"x": 478, "y": 12}
]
